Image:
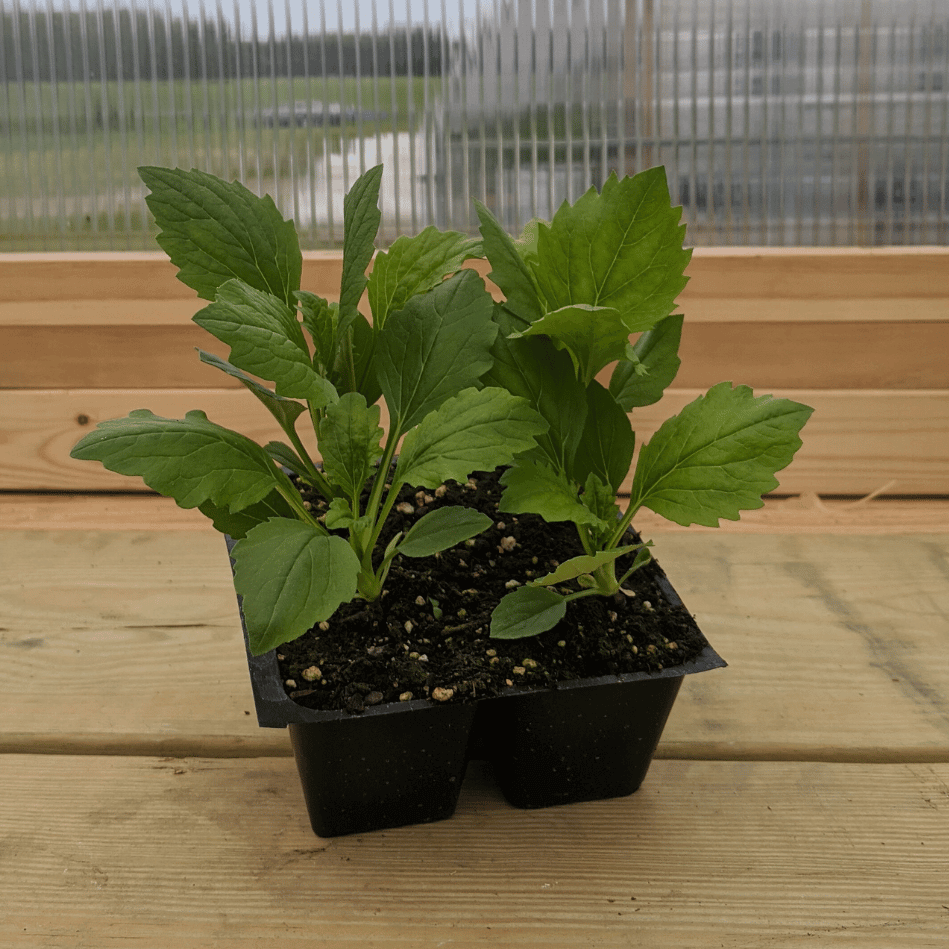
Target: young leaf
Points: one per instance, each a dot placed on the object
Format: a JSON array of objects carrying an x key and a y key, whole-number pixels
[
  {"x": 717, "y": 456},
  {"x": 286, "y": 457},
  {"x": 285, "y": 411},
  {"x": 434, "y": 347},
  {"x": 290, "y": 576},
  {"x": 641, "y": 381},
  {"x": 478, "y": 429},
  {"x": 530, "y": 488},
  {"x": 533, "y": 368},
  {"x": 584, "y": 564},
  {"x": 621, "y": 249},
  {"x": 238, "y": 523},
  {"x": 190, "y": 459},
  {"x": 414, "y": 265},
  {"x": 361, "y": 217},
  {"x": 349, "y": 442},
  {"x": 354, "y": 369},
  {"x": 608, "y": 441},
  {"x": 319, "y": 320},
  {"x": 509, "y": 271},
  {"x": 594, "y": 335},
  {"x": 214, "y": 231},
  {"x": 441, "y": 529},
  {"x": 339, "y": 515},
  {"x": 600, "y": 498},
  {"x": 526, "y": 612},
  {"x": 266, "y": 340}
]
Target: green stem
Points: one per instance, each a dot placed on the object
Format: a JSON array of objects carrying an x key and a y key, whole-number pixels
[
  {"x": 321, "y": 484},
  {"x": 623, "y": 525},
  {"x": 290, "y": 493},
  {"x": 378, "y": 486}
]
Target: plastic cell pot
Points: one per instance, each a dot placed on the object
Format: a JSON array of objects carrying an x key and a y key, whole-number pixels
[
  {"x": 404, "y": 763},
  {"x": 586, "y": 740}
]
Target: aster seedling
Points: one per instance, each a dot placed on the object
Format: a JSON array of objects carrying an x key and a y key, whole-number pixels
[
  {"x": 590, "y": 296},
  {"x": 425, "y": 353}
]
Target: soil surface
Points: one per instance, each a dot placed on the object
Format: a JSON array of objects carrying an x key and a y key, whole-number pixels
[{"x": 427, "y": 637}]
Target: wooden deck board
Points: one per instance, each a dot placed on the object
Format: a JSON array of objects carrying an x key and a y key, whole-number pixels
[
  {"x": 129, "y": 642},
  {"x": 198, "y": 853},
  {"x": 856, "y": 442},
  {"x": 801, "y": 514}
]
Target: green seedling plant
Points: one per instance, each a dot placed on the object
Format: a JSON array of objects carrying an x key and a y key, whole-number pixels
[
  {"x": 577, "y": 289},
  {"x": 425, "y": 353}
]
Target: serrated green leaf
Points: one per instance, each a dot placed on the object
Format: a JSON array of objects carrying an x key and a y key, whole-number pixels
[
  {"x": 339, "y": 515},
  {"x": 266, "y": 340},
  {"x": 190, "y": 459},
  {"x": 350, "y": 437},
  {"x": 584, "y": 564},
  {"x": 361, "y": 217},
  {"x": 593, "y": 335},
  {"x": 717, "y": 456},
  {"x": 600, "y": 498},
  {"x": 214, "y": 231},
  {"x": 442, "y": 528},
  {"x": 621, "y": 249},
  {"x": 608, "y": 441},
  {"x": 478, "y": 429},
  {"x": 319, "y": 320},
  {"x": 533, "y": 368},
  {"x": 434, "y": 347},
  {"x": 238, "y": 523},
  {"x": 290, "y": 577},
  {"x": 509, "y": 270},
  {"x": 285, "y": 411},
  {"x": 414, "y": 265},
  {"x": 531, "y": 488},
  {"x": 527, "y": 611},
  {"x": 642, "y": 380}
]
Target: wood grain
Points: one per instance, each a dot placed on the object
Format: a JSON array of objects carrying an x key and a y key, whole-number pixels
[
  {"x": 216, "y": 854},
  {"x": 802, "y": 514},
  {"x": 759, "y": 353},
  {"x": 855, "y": 443},
  {"x": 721, "y": 273},
  {"x": 835, "y": 645}
]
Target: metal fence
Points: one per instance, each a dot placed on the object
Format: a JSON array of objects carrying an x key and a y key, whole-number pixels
[{"x": 805, "y": 122}]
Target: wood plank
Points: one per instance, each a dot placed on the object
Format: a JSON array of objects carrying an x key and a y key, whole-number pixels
[
  {"x": 110, "y": 357},
  {"x": 161, "y": 311},
  {"x": 131, "y": 275},
  {"x": 724, "y": 273},
  {"x": 802, "y": 514},
  {"x": 857, "y": 355},
  {"x": 198, "y": 853},
  {"x": 855, "y": 443},
  {"x": 836, "y": 645}
]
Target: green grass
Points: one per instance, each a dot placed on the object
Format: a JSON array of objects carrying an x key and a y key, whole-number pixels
[{"x": 46, "y": 152}]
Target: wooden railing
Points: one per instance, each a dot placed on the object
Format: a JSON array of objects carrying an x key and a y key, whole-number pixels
[{"x": 862, "y": 335}]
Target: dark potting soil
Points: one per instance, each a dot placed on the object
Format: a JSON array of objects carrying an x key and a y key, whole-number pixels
[{"x": 427, "y": 637}]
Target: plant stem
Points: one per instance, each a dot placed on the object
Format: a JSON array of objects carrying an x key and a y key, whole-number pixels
[
  {"x": 290, "y": 493},
  {"x": 375, "y": 496},
  {"x": 321, "y": 484},
  {"x": 623, "y": 525}
]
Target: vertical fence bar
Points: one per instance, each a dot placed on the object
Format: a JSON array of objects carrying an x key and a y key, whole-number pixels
[
  {"x": 221, "y": 32},
  {"x": 410, "y": 110},
  {"x": 942, "y": 231},
  {"x": 138, "y": 108},
  {"x": 39, "y": 115},
  {"x": 296, "y": 116}
]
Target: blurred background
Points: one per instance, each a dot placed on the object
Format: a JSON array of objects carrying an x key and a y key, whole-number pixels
[{"x": 791, "y": 123}]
